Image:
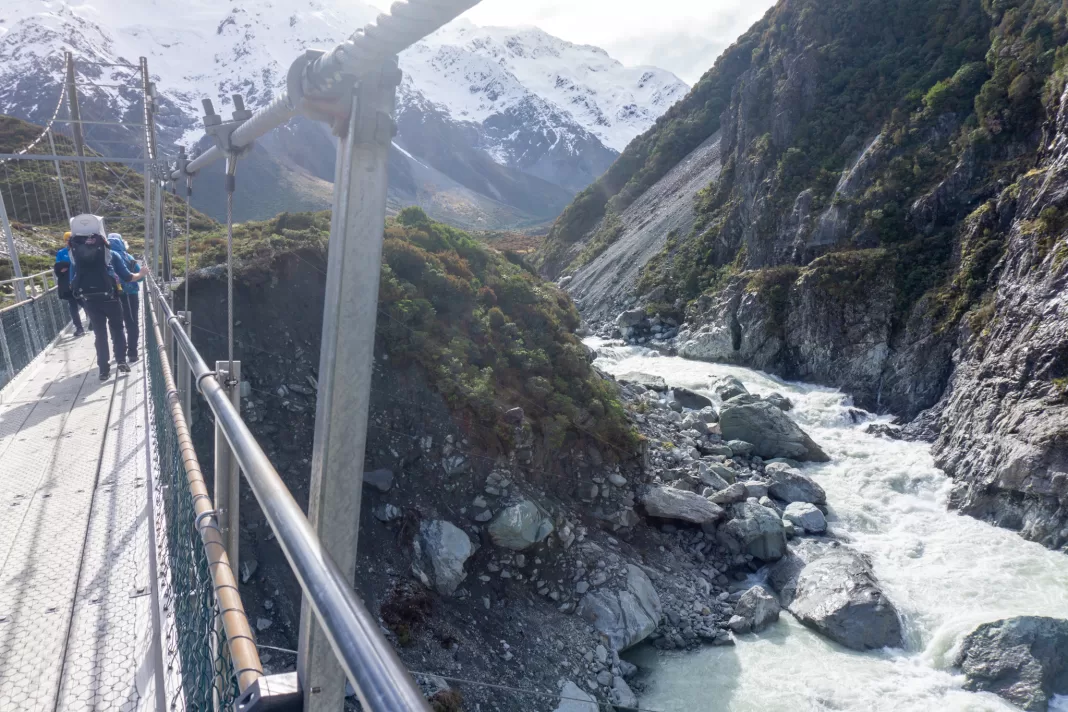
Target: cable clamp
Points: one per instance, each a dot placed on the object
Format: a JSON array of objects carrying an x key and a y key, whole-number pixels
[
  {"x": 202, "y": 516},
  {"x": 201, "y": 377}
]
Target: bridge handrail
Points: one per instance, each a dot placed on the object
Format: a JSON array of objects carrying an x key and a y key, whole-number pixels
[{"x": 368, "y": 659}]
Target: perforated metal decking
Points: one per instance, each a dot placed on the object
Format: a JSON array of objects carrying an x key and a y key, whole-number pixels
[{"x": 76, "y": 625}]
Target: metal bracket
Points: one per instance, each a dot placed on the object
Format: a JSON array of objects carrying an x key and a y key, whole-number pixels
[
  {"x": 335, "y": 107},
  {"x": 223, "y": 131},
  {"x": 180, "y": 165},
  {"x": 273, "y": 693}
]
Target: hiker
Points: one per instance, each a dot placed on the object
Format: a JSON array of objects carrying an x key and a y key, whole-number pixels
[
  {"x": 130, "y": 297},
  {"x": 96, "y": 281},
  {"x": 61, "y": 268}
]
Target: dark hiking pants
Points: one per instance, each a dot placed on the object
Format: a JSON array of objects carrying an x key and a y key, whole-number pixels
[
  {"x": 130, "y": 312},
  {"x": 106, "y": 316},
  {"x": 75, "y": 317}
]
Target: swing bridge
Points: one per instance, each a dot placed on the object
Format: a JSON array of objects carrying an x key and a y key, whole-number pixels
[{"x": 118, "y": 565}]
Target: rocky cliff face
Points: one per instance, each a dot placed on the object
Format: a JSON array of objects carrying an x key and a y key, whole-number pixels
[
  {"x": 1004, "y": 419},
  {"x": 885, "y": 200}
]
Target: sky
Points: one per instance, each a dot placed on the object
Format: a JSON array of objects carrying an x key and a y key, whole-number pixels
[{"x": 683, "y": 36}]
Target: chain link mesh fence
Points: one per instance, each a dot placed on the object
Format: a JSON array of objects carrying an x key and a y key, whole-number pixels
[
  {"x": 194, "y": 647},
  {"x": 28, "y": 327}
]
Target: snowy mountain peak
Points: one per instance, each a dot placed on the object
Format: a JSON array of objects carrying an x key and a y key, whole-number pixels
[{"x": 477, "y": 71}]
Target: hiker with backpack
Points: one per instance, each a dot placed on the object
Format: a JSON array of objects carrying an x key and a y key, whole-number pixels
[
  {"x": 130, "y": 296},
  {"x": 61, "y": 269},
  {"x": 95, "y": 279}
]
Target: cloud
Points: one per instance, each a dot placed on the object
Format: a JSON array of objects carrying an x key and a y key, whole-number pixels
[{"x": 684, "y": 36}]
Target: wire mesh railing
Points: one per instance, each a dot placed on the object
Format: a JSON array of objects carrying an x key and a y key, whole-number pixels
[
  {"x": 195, "y": 648},
  {"x": 29, "y": 326}
]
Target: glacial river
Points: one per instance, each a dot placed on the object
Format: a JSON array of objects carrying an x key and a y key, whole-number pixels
[{"x": 946, "y": 573}]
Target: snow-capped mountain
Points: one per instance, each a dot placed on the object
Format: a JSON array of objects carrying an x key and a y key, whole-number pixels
[{"x": 497, "y": 126}]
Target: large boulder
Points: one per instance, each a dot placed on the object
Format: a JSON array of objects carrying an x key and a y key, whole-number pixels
[
  {"x": 757, "y": 609},
  {"x": 669, "y": 503},
  {"x": 1023, "y": 659},
  {"x": 789, "y": 485},
  {"x": 805, "y": 516},
  {"x": 631, "y": 317},
  {"x": 574, "y": 699},
  {"x": 755, "y": 530},
  {"x": 441, "y": 548},
  {"x": 772, "y": 432},
  {"x": 728, "y": 387},
  {"x": 625, "y": 617},
  {"x": 520, "y": 526},
  {"x": 689, "y": 399},
  {"x": 832, "y": 589},
  {"x": 647, "y": 380}
]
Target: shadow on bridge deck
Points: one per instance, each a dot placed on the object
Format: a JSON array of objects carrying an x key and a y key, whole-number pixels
[{"x": 76, "y": 624}]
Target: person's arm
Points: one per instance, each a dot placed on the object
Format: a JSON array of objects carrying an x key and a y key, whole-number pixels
[{"x": 125, "y": 275}]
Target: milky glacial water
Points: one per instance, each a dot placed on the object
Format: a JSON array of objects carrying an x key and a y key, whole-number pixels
[{"x": 946, "y": 573}]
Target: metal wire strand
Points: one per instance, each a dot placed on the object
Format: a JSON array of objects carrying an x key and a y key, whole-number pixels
[
  {"x": 229, "y": 281},
  {"x": 188, "y": 200}
]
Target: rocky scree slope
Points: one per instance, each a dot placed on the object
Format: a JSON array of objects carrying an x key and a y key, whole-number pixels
[
  {"x": 888, "y": 197},
  {"x": 498, "y": 127},
  {"x": 525, "y": 517}
]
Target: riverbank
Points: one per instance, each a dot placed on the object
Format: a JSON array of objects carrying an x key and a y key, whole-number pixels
[{"x": 946, "y": 573}]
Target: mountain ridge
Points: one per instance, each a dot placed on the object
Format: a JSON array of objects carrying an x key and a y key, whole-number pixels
[{"x": 559, "y": 124}]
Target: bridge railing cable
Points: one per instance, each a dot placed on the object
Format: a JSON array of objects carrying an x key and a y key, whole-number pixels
[
  {"x": 210, "y": 647},
  {"x": 368, "y": 659},
  {"x": 28, "y": 326}
]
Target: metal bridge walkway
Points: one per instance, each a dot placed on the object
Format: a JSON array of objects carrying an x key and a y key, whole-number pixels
[{"x": 76, "y": 623}]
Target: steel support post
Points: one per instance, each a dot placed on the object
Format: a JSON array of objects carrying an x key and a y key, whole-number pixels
[
  {"x": 184, "y": 387},
  {"x": 76, "y": 129},
  {"x": 9, "y": 237},
  {"x": 59, "y": 176},
  {"x": 227, "y": 475},
  {"x": 346, "y": 359}
]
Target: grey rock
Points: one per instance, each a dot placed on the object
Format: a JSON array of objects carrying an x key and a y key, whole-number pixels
[
  {"x": 574, "y": 699},
  {"x": 755, "y": 489},
  {"x": 741, "y": 448},
  {"x": 386, "y": 512},
  {"x": 772, "y": 432},
  {"x": 742, "y": 399},
  {"x": 455, "y": 464},
  {"x": 689, "y": 399},
  {"x": 625, "y": 617},
  {"x": 1023, "y": 659},
  {"x": 440, "y": 552},
  {"x": 622, "y": 696},
  {"x": 601, "y": 653},
  {"x": 806, "y": 516},
  {"x": 790, "y": 485},
  {"x": 631, "y": 318},
  {"x": 740, "y": 625},
  {"x": 513, "y": 416},
  {"x": 617, "y": 479},
  {"x": 710, "y": 477},
  {"x": 730, "y": 495},
  {"x": 832, "y": 589},
  {"x": 779, "y": 401},
  {"x": 669, "y": 503},
  {"x": 759, "y": 607},
  {"x": 728, "y": 387},
  {"x": 755, "y": 530},
  {"x": 381, "y": 480},
  {"x": 604, "y": 678},
  {"x": 520, "y": 526},
  {"x": 708, "y": 415},
  {"x": 654, "y": 383}
]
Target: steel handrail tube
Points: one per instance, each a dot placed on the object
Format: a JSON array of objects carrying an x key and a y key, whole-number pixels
[
  {"x": 25, "y": 277},
  {"x": 28, "y": 300},
  {"x": 381, "y": 680}
]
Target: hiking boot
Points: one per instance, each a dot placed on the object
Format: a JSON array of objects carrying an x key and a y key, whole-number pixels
[
  {"x": 124, "y": 368},
  {"x": 79, "y": 332},
  {"x": 104, "y": 375},
  {"x": 131, "y": 358}
]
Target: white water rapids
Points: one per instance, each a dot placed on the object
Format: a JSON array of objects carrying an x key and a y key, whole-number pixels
[{"x": 945, "y": 573}]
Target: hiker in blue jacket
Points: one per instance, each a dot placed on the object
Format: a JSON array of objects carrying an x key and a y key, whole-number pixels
[
  {"x": 130, "y": 296},
  {"x": 61, "y": 268}
]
